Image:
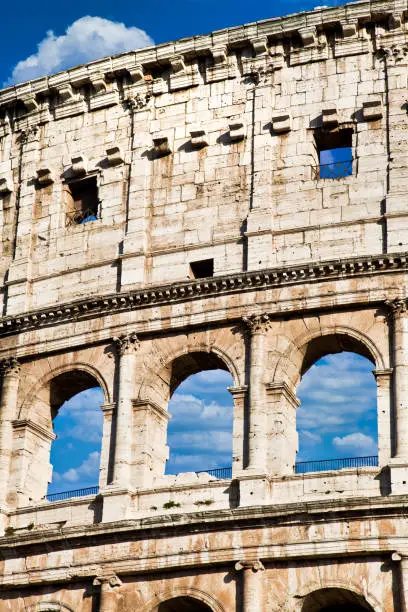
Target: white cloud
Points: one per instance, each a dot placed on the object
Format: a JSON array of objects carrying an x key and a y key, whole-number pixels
[
  {"x": 81, "y": 418},
  {"x": 86, "y": 39},
  {"x": 356, "y": 444},
  {"x": 88, "y": 470}
]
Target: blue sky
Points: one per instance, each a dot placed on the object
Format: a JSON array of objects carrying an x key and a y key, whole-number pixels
[
  {"x": 337, "y": 419},
  {"x": 67, "y": 36}
]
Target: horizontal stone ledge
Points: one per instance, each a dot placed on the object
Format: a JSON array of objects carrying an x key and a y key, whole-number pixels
[
  {"x": 212, "y": 286},
  {"x": 303, "y": 25},
  {"x": 284, "y": 552}
]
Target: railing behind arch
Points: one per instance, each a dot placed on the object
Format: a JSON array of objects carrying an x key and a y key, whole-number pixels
[{"x": 302, "y": 467}]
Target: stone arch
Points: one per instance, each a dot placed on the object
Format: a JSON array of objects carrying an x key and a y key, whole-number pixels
[
  {"x": 88, "y": 371},
  {"x": 308, "y": 348},
  {"x": 350, "y": 591},
  {"x": 50, "y": 606},
  {"x": 193, "y": 593}
]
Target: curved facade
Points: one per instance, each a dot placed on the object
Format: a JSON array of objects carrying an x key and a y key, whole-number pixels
[{"x": 169, "y": 211}]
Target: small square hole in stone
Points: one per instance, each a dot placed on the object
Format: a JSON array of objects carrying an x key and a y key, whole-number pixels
[{"x": 202, "y": 269}]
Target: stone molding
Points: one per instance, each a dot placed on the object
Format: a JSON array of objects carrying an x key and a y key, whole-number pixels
[
  {"x": 109, "y": 578},
  {"x": 151, "y": 407},
  {"x": 27, "y": 424},
  {"x": 310, "y": 27},
  {"x": 183, "y": 291},
  {"x": 277, "y": 388}
]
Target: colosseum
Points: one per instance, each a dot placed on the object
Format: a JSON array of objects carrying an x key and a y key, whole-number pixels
[{"x": 165, "y": 212}]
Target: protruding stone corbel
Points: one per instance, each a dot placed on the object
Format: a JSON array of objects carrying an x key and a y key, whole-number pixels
[
  {"x": 44, "y": 177},
  {"x": 177, "y": 64},
  {"x": 98, "y": 82},
  {"x": 220, "y": 55},
  {"x": 115, "y": 156},
  {"x": 66, "y": 93},
  {"x": 308, "y": 36},
  {"x": 136, "y": 73},
  {"x": 237, "y": 130},
  {"x": 350, "y": 29},
  {"x": 159, "y": 86},
  {"x": 128, "y": 343},
  {"x": 281, "y": 122},
  {"x": 260, "y": 45},
  {"x": 79, "y": 165},
  {"x": 395, "y": 21},
  {"x": 329, "y": 116},
  {"x": 30, "y": 102},
  {"x": 161, "y": 145},
  {"x": 198, "y": 136},
  {"x": 372, "y": 109},
  {"x": 6, "y": 185}
]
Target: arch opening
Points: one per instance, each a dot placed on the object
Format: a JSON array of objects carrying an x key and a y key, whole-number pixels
[
  {"x": 199, "y": 434},
  {"x": 77, "y": 423},
  {"x": 335, "y": 600},
  {"x": 182, "y": 604},
  {"x": 337, "y": 421}
]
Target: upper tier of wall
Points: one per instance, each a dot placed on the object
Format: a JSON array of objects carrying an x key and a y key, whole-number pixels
[{"x": 205, "y": 148}]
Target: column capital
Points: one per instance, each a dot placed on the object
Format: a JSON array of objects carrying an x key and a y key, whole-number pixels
[
  {"x": 10, "y": 365},
  {"x": 397, "y": 307},
  {"x": 126, "y": 344},
  {"x": 110, "y": 579},
  {"x": 257, "y": 323},
  {"x": 255, "y": 565}
]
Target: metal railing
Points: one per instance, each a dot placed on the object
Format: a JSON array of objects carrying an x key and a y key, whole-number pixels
[
  {"x": 76, "y": 493},
  {"x": 324, "y": 465},
  {"x": 302, "y": 467},
  {"x": 77, "y": 217},
  {"x": 225, "y": 472},
  {"x": 335, "y": 170}
]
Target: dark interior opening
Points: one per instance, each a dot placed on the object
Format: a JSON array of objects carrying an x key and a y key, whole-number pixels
[
  {"x": 202, "y": 269},
  {"x": 82, "y": 200},
  {"x": 183, "y": 604}
]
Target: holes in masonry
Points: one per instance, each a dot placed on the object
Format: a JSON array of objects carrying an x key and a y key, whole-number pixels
[
  {"x": 82, "y": 201},
  {"x": 202, "y": 269},
  {"x": 335, "y": 152}
]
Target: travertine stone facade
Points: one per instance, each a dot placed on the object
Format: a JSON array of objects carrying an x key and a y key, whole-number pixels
[{"x": 213, "y": 239}]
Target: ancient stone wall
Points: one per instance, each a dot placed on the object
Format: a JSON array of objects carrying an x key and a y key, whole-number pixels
[{"x": 169, "y": 211}]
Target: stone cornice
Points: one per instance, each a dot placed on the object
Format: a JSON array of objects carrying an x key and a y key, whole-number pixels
[
  {"x": 137, "y": 65},
  {"x": 254, "y": 517},
  {"x": 187, "y": 290}
]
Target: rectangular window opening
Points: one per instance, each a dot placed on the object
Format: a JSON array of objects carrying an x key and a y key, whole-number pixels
[
  {"x": 335, "y": 151},
  {"x": 82, "y": 200},
  {"x": 202, "y": 269}
]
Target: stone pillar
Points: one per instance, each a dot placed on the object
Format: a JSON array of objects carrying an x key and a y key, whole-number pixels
[
  {"x": 107, "y": 456},
  {"x": 108, "y": 594},
  {"x": 8, "y": 408},
  {"x": 238, "y": 435},
  {"x": 252, "y": 585},
  {"x": 150, "y": 435},
  {"x": 385, "y": 433},
  {"x": 400, "y": 359},
  {"x": 281, "y": 435},
  {"x": 258, "y": 326},
  {"x": 127, "y": 347}
]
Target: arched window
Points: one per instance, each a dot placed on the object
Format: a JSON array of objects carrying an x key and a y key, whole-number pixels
[
  {"x": 335, "y": 600},
  {"x": 76, "y": 451},
  {"x": 337, "y": 419},
  {"x": 200, "y": 431},
  {"x": 60, "y": 422}
]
